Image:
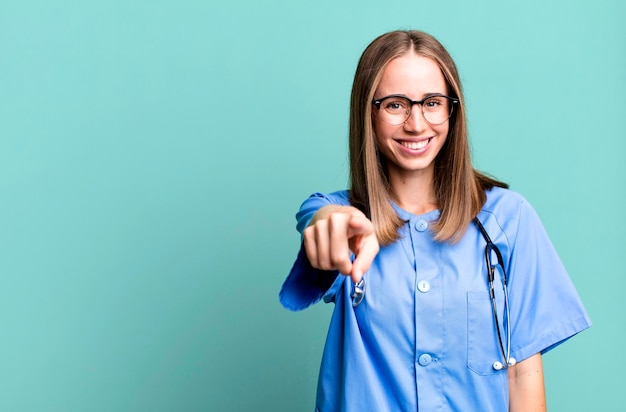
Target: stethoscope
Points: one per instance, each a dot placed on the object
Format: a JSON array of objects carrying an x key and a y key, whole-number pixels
[
  {"x": 507, "y": 359},
  {"x": 358, "y": 293}
]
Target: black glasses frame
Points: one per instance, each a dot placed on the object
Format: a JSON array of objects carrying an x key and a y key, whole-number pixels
[{"x": 453, "y": 100}]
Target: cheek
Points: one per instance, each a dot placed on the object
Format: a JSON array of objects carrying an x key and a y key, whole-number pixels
[
  {"x": 382, "y": 131},
  {"x": 443, "y": 129},
  {"x": 377, "y": 133},
  {"x": 443, "y": 141}
]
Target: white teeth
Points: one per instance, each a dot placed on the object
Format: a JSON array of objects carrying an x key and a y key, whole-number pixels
[{"x": 416, "y": 145}]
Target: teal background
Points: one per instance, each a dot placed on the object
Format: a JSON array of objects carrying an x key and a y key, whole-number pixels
[{"x": 153, "y": 154}]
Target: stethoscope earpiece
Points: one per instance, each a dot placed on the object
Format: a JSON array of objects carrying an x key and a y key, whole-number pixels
[{"x": 497, "y": 365}]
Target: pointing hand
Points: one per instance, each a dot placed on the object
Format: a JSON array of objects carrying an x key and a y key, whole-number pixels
[{"x": 334, "y": 232}]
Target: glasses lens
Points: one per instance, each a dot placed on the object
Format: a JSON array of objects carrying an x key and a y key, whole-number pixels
[
  {"x": 437, "y": 109},
  {"x": 395, "y": 110}
]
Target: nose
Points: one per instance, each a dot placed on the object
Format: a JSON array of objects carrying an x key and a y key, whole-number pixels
[{"x": 415, "y": 122}]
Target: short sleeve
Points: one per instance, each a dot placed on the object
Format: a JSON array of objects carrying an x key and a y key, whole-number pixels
[
  {"x": 544, "y": 305},
  {"x": 306, "y": 285}
]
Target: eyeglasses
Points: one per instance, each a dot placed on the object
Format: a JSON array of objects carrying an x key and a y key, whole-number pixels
[
  {"x": 396, "y": 109},
  {"x": 507, "y": 359}
]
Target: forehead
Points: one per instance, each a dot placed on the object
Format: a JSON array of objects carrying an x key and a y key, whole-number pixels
[{"x": 412, "y": 75}]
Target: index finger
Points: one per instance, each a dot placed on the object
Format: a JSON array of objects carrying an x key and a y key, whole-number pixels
[{"x": 367, "y": 251}]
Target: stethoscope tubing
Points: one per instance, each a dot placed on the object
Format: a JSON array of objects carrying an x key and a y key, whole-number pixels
[{"x": 491, "y": 269}]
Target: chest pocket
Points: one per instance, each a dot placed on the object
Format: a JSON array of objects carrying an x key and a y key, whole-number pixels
[{"x": 483, "y": 348}]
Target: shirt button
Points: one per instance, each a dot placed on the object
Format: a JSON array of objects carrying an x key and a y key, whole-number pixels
[
  {"x": 423, "y": 286},
  {"x": 425, "y": 359},
  {"x": 421, "y": 225}
]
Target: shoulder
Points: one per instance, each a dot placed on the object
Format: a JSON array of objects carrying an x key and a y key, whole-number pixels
[
  {"x": 340, "y": 197},
  {"x": 508, "y": 210},
  {"x": 510, "y": 213},
  {"x": 503, "y": 201}
]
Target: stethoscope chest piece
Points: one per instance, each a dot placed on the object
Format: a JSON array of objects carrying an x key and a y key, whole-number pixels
[{"x": 358, "y": 293}]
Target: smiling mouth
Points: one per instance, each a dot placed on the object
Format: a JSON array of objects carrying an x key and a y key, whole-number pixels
[{"x": 416, "y": 145}]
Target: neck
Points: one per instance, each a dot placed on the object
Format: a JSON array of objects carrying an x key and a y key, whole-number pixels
[{"x": 414, "y": 192}]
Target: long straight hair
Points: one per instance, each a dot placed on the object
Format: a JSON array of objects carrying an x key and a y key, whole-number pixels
[{"x": 460, "y": 189}]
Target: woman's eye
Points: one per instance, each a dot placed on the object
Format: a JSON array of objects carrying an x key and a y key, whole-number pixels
[{"x": 395, "y": 105}]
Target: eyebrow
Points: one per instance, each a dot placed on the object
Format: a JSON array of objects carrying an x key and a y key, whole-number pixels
[{"x": 424, "y": 96}]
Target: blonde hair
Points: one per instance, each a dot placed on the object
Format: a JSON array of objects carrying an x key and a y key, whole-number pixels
[{"x": 460, "y": 189}]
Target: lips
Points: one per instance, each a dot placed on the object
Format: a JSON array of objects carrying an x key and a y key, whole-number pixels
[{"x": 416, "y": 145}]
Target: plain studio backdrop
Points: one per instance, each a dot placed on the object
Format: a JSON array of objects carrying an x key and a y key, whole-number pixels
[{"x": 153, "y": 155}]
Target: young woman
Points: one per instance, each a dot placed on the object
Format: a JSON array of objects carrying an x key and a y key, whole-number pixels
[{"x": 452, "y": 289}]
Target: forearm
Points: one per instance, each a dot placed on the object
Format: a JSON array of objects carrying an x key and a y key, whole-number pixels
[{"x": 526, "y": 387}]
